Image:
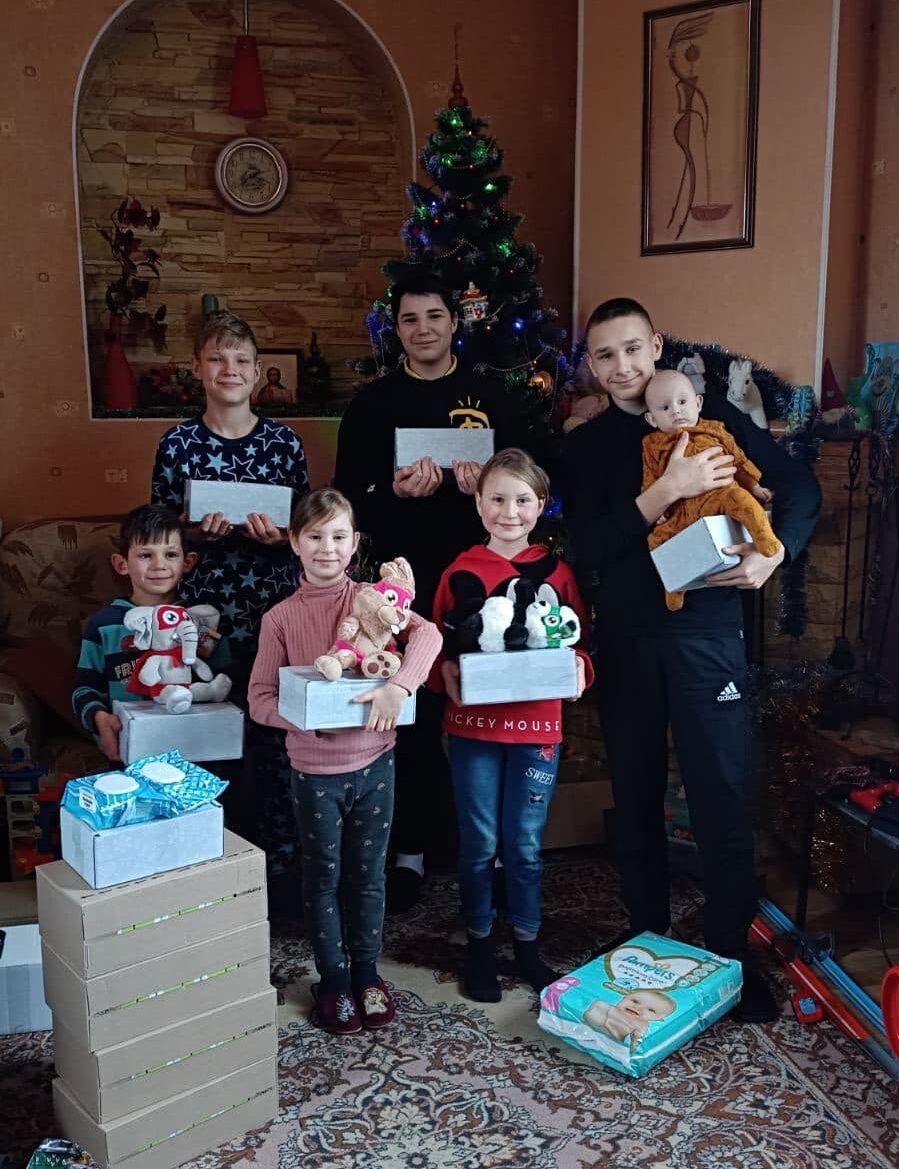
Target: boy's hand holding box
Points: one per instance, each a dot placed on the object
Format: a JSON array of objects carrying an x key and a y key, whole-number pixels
[
  {"x": 684, "y": 561},
  {"x": 444, "y": 445},
  {"x": 237, "y": 500},
  {"x": 206, "y": 731}
]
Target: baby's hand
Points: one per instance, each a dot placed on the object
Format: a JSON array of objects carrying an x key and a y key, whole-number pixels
[
  {"x": 386, "y": 704},
  {"x": 762, "y": 494},
  {"x": 108, "y": 726}
]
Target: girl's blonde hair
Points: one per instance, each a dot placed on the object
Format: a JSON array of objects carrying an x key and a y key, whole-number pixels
[
  {"x": 319, "y": 506},
  {"x": 519, "y": 463}
]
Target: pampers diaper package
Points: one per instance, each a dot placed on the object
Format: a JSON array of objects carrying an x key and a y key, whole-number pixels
[
  {"x": 156, "y": 788},
  {"x": 635, "y": 1005}
]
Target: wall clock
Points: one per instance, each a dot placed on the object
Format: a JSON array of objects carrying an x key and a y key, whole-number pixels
[{"x": 251, "y": 175}]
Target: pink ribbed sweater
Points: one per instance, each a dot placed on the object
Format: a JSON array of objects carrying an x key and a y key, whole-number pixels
[{"x": 294, "y": 633}]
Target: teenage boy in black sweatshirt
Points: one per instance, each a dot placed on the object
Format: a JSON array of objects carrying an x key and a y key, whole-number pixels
[
  {"x": 686, "y": 670},
  {"x": 426, "y": 514}
]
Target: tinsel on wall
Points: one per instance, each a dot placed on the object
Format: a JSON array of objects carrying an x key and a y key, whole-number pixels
[
  {"x": 461, "y": 231},
  {"x": 787, "y": 704}
]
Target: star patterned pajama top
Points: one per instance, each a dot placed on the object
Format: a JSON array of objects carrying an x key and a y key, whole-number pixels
[{"x": 239, "y": 576}]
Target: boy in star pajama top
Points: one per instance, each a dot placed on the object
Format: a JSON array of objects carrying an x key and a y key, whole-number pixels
[{"x": 242, "y": 570}]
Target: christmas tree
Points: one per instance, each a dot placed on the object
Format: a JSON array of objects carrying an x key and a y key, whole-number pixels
[{"x": 461, "y": 232}]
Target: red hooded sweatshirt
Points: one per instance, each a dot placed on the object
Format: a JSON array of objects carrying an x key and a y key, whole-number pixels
[{"x": 512, "y": 722}]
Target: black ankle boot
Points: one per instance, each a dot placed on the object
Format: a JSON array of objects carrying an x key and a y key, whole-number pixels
[
  {"x": 531, "y": 966},
  {"x": 479, "y": 973}
]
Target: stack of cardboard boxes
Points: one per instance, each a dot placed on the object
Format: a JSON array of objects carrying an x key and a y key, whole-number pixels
[{"x": 164, "y": 1020}]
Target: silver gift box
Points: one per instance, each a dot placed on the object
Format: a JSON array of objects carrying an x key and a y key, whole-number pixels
[
  {"x": 443, "y": 444},
  {"x": 204, "y": 733},
  {"x": 684, "y": 561},
  {"x": 237, "y": 500},
  {"x": 312, "y": 703},
  {"x": 527, "y": 675},
  {"x": 111, "y": 856}
]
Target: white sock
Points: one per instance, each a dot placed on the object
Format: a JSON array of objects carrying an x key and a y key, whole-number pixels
[{"x": 411, "y": 860}]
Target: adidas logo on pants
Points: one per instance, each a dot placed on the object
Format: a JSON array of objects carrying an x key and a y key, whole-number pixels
[{"x": 729, "y": 694}]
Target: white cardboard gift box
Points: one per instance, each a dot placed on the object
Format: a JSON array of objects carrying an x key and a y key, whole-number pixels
[
  {"x": 110, "y": 856},
  {"x": 443, "y": 444},
  {"x": 312, "y": 703},
  {"x": 684, "y": 561},
  {"x": 526, "y": 675},
  {"x": 237, "y": 500},
  {"x": 205, "y": 732}
]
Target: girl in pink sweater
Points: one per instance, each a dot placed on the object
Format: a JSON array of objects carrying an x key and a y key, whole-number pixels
[{"x": 342, "y": 782}]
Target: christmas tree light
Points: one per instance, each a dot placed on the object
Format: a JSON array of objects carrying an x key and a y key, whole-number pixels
[{"x": 460, "y": 231}]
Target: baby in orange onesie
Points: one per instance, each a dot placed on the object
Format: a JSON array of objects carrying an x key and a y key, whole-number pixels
[{"x": 672, "y": 405}]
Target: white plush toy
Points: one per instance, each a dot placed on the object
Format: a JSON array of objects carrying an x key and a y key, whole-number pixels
[
  {"x": 546, "y": 623},
  {"x": 169, "y": 635},
  {"x": 743, "y": 393},
  {"x": 694, "y": 368}
]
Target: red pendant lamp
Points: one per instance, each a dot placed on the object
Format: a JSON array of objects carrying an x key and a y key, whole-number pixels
[{"x": 247, "y": 88}]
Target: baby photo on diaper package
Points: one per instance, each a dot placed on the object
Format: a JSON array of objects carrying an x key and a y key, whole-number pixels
[{"x": 630, "y": 1008}]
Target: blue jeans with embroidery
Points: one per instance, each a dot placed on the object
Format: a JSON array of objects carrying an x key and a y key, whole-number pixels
[
  {"x": 343, "y": 823},
  {"x": 502, "y": 795}
]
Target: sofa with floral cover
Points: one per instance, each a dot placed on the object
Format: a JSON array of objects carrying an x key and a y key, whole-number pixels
[{"x": 53, "y": 575}]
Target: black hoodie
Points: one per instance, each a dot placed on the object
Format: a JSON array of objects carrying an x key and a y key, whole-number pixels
[{"x": 432, "y": 531}]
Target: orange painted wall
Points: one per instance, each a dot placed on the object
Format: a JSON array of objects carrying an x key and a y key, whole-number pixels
[
  {"x": 760, "y": 300},
  {"x": 519, "y": 67}
]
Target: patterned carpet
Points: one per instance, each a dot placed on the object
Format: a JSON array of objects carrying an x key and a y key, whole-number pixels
[{"x": 451, "y": 1086}]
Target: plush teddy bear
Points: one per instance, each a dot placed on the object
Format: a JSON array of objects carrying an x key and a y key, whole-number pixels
[
  {"x": 169, "y": 635},
  {"x": 365, "y": 637}
]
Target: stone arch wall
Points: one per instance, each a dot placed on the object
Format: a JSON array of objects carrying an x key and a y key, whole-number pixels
[{"x": 151, "y": 119}]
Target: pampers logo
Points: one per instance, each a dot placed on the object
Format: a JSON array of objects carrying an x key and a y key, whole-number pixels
[{"x": 630, "y": 967}]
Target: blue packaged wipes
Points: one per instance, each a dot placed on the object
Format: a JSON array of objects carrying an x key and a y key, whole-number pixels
[
  {"x": 170, "y": 785},
  {"x": 107, "y": 800},
  {"x": 156, "y": 788},
  {"x": 637, "y": 1004}
]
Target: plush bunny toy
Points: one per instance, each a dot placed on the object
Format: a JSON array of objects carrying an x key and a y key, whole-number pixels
[
  {"x": 365, "y": 637},
  {"x": 169, "y": 636},
  {"x": 743, "y": 393}
]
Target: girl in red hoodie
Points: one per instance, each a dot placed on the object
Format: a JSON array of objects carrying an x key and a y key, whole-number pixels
[{"x": 503, "y": 758}]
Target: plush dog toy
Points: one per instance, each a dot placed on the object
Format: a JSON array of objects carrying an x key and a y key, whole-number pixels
[
  {"x": 526, "y": 617},
  {"x": 169, "y": 636},
  {"x": 365, "y": 638}
]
